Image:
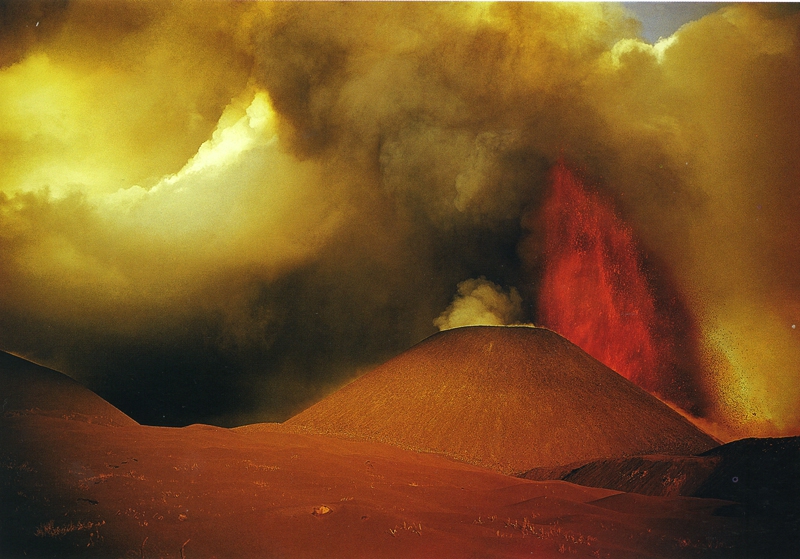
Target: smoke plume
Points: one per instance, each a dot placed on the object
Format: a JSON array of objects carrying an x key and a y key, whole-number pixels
[
  {"x": 481, "y": 303},
  {"x": 221, "y": 211}
]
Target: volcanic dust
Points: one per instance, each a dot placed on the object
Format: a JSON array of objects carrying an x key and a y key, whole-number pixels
[
  {"x": 356, "y": 476},
  {"x": 222, "y": 213}
]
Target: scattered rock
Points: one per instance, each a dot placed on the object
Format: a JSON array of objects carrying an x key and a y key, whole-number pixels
[{"x": 321, "y": 510}]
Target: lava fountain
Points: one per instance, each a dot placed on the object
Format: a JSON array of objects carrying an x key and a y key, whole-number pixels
[{"x": 594, "y": 291}]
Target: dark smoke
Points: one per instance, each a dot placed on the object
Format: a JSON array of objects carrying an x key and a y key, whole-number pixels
[{"x": 356, "y": 163}]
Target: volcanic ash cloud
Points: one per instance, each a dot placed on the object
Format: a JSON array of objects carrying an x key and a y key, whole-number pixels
[{"x": 290, "y": 191}]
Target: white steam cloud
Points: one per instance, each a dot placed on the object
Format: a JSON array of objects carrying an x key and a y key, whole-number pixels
[{"x": 480, "y": 302}]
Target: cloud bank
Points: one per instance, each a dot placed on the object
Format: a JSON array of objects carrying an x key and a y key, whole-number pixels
[{"x": 221, "y": 211}]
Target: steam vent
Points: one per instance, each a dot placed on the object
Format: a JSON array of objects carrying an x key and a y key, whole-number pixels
[{"x": 505, "y": 398}]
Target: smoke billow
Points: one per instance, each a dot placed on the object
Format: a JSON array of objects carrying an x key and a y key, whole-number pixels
[
  {"x": 481, "y": 303},
  {"x": 221, "y": 211}
]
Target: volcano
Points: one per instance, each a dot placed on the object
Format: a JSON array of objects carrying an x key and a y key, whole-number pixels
[
  {"x": 505, "y": 398},
  {"x": 28, "y": 388},
  {"x": 78, "y": 479}
]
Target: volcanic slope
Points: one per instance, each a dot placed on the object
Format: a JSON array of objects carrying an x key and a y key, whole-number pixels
[
  {"x": 29, "y": 388},
  {"x": 761, "y": 474},
  {"x": 505, "y": 398}
]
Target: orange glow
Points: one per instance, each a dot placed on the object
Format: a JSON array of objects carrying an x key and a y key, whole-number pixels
[
  {"x": 292, "y": 192},
  {"x": 593, "y": 291}
]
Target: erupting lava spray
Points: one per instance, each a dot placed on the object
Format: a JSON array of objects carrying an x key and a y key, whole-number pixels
[{"x": 593, "y": 290}]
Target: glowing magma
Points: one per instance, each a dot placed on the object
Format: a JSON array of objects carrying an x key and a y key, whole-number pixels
[{"x": 593, "y": 291}]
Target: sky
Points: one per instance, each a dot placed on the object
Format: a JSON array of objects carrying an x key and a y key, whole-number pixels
[
  {"x": 661, "y": 19},
  {"x": 220, "y": 212}
]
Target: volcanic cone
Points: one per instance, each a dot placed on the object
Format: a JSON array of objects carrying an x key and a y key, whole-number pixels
[
  {"x": 29, "y": 388},
  {"x": 505, "y": 398}
]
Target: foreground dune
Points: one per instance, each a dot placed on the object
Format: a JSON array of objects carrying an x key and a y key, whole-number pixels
[
  {"x": 95, "y": 484},
  {"x": 77, "y": 489}
]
